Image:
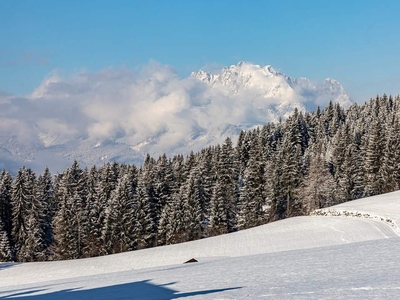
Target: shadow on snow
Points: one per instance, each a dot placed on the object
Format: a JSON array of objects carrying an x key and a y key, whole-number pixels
[
  {"x": 5, "y": 265},
  {"x": 143, "y": 290}
]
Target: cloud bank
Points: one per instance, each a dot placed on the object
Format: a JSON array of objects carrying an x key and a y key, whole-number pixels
[{"x": 151, "y": 110}]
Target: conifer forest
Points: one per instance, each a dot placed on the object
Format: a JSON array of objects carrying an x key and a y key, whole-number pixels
[{"x": 277, "y": 171}]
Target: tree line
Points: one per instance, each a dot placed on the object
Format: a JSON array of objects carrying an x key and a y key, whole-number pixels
[{"x": 276, "y": 171}]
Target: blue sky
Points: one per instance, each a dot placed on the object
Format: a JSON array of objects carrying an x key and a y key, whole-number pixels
[{"x": 355, "y": 42}]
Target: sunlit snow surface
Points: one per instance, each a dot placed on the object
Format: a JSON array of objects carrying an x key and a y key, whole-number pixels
[{"x": 315, "y": 257}]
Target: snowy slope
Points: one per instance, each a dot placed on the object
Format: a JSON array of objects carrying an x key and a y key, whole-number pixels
[
  {"x": 317, "y": 257},
  {"x": 386, "y": 206}
]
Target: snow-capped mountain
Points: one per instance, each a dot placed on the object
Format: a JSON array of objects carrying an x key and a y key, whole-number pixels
[
  {"x": 120, "y": 115},
  {"x": 265, "y": 82}
]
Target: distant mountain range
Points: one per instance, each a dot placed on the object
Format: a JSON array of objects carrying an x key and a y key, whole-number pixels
[
  {"x": 266, "y": 83},
  {"x": 119, "y": 116}
]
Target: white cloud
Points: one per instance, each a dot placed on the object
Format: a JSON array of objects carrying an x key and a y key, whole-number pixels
[{"x": 129, "y": 106}]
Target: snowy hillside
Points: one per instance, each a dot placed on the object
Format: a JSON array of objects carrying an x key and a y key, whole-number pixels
[
  {"x": 314, "y": 257},
  {"x": 120, "y": 115}
]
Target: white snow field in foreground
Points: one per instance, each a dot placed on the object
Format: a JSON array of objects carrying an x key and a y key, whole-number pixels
[{"x": 312, "y": 257}]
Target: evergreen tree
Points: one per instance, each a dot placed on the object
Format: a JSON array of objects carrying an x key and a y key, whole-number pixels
[
  {"x": 19, "y": 210},
  {"x": 5, "y": 202},
  {"x": 94, "y": 216},
  {"x": 178, "y": 168},
  {"x": 328, "y": 120},
  {"x": 191, "y": 193},
  {"x": 163, "y": 231},
  {"x": 107, "y": 183},
  {"x": 44, "y": 194},
  {"x": 144, "y": 225},
  {"x": 273, "y": 189},
  {"x": 175, "y": 229},
  {"x": 252, "y": 194},
  {"x": 5, "y": 248},
  {"x": 317, "y": 190},
  {"x": 225, "y": 193},
  {"x": 341, "y": 163},
  {"x": 69, "y": 223},
  {"x": 290, "y": 158},
  {"x": 243, "y": 148},
  {"x": 390, "y": 168},
  {"x": 27, "y": 217},
  {"x": 207, "y": 181},
  {"x": 356, "y": 168},
  {"x": 373, "y": 160},
  {"x": 164, "y": 186},
  {"x": 118, "y": 232}
]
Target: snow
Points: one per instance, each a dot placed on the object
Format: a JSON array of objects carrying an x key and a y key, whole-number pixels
[
  {"x": 386, "y": 206},
  {"x": 266, "y": 82},
  {"x": 312, "y": 257}
]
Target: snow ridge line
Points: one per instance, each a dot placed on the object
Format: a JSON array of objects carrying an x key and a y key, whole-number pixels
[{"x": 345, "y": 213}]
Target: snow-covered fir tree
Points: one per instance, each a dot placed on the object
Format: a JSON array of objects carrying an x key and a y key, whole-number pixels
[
  {"x": 27, "y": 217},
  {"x": 144, "y": 227},
  {"x": 118, "y": 230},
  {"x": 192, "y": 195},
  {"x": 225, "y": 194},
  {"x": 5, "y": 202},
  {"x": 5, "y": 248},
  {"x": 252, "y": 194}
]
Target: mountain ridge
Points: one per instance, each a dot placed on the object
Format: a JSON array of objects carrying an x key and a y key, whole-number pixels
[{"x": 270, "y": 83}]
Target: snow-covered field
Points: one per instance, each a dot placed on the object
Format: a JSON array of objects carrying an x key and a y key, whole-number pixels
[{"x": 314, "y": 257}]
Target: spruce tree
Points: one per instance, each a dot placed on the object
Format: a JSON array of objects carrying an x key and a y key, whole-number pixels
[
  {"x": 252, "y": 194},
  {"x": 5, "y": 202},
  {"x": 94, "y": 215},
  {"x": 191, "y": 193},
  {"x": 390, "y": 169},
  {"x": 144, "y": 227},
  {"x": 27, "y": 218},
  {"x": 290, "y": 158},
  {"x": 118, "y": 231},
  {"x": 164, "y": 185},
  {"x": 373, "y": 160},
  {"x": 5, "y": 248},
  {"x": 225, "y": 194},
  {"x": 70, "y": 222},
  {"x": 163, "y": 231},
  {"x": 316, "y": 191},
  {"x": 176, "y": 230},
  {"x": 207, "y": 181},
  {"x": 44, "y": 194}
]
